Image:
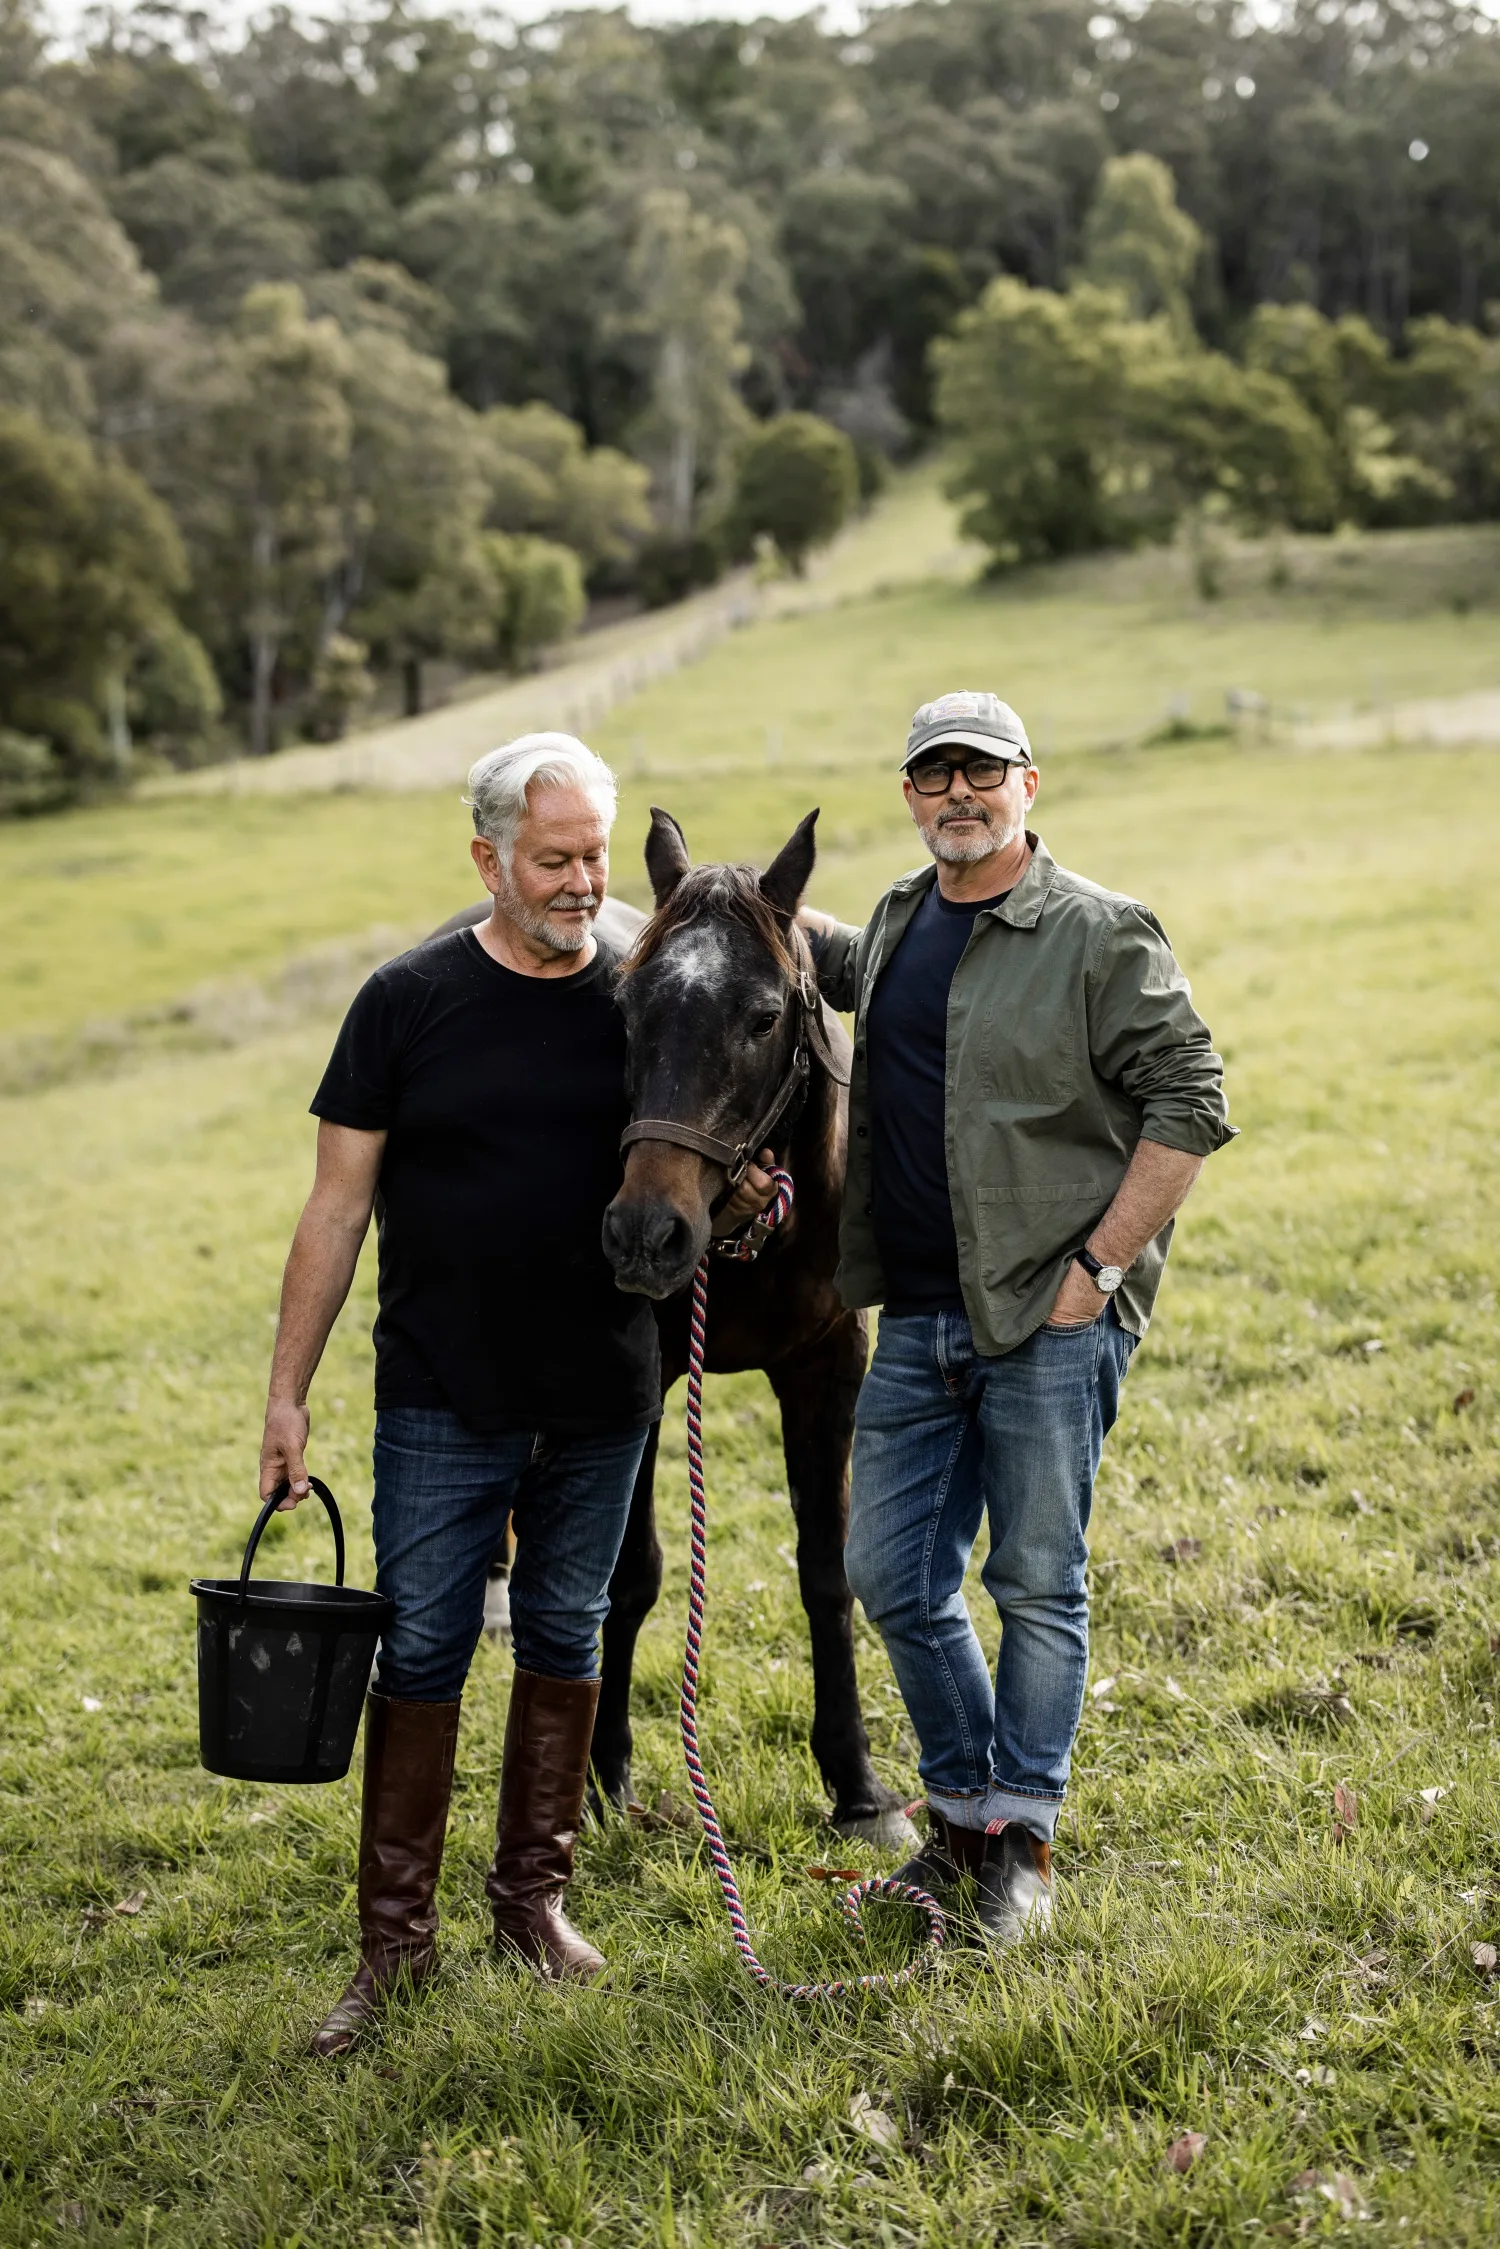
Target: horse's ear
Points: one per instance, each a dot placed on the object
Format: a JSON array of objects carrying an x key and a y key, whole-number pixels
[
  {"x": 790, "y": 871},
  {"x": 667, "y": 858}
]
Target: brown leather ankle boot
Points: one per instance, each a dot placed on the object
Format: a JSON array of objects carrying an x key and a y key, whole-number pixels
[
  {"x": 949, "y": 1853},
  {"x": 547, "y": 1738},
  {"x": 1009, "y": 1886},
  {"x": 404, "y": 1815},
  {"x": 1015, "y": 1886}
]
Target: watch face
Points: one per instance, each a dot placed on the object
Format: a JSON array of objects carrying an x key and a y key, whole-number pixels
[{"x": 1108, "y": 1279}]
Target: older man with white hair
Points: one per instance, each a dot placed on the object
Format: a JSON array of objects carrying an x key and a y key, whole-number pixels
[{"x": 475, "y": 1100}]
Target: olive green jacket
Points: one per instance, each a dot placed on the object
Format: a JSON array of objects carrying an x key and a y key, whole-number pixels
[{"x": 1071, "y": 1036}]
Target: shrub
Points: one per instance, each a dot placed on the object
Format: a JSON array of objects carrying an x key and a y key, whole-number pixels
[
  {"x": 539, "y": 596},
  {"x": 341, "y": 686},
  {"x": 32, "y": 779},
  {"x": 173, "y": 697},
  {"x": 796, "y": 480},
  {"x": 670, "y": 568}
]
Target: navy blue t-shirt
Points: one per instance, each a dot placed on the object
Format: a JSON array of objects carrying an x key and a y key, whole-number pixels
[{"x": 907, "y": 1037}]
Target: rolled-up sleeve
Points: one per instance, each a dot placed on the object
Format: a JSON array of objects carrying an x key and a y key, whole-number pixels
[
  {"x": 1146, "y": 1036},
  {"x": 834, "y": 959}
]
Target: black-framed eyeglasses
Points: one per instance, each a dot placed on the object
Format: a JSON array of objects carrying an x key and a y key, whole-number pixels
[{"x": 933, "y": 776}]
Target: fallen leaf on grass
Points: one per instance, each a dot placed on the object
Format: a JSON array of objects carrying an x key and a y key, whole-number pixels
[
  {"x": 1431, "y": 1798},
  {"x": 72, "y": 2214},
  {"x": 97, "y": 1916},
  {"x": 818, "y": 2174},
  {"x": 1465, "y": 1398},
  {"x": 1101, "y": 1687},
  {"x": 1345, "y": 1811},
  {"x": 1182, "y": 1550},
  {"x": 90, "y": 1703},
  {"x": 1336, "y": 2187},
  {"x": 1485, "y": 1958},
  {"x": 875, "y": 2123},
  {"x": 1372, "y": 1965},
  {"x": 35, "y": 2009},
  {"x": 1185, "y": 2151},
  {"x": 1319, "y": 2076},
  {"x": 834, "y": 1874},
  {"x": 1312, "y": 2030}
]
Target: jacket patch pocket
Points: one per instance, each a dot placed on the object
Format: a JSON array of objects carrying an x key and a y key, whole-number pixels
[{"x": 1050, "y": 1191}]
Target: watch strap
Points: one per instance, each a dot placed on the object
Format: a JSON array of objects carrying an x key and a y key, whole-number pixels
[{"x": 1091, "y": 1264}]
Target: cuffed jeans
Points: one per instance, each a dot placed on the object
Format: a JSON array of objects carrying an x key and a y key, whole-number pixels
[
  {"x": 442, "y": 1495},
  {"x": 943, "y": 1438}
]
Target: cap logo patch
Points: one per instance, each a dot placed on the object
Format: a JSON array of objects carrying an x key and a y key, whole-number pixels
[{"x": 960, "y": 705}]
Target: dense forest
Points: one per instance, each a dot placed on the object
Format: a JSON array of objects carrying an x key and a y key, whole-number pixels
[{"x": 366, "y": 340}]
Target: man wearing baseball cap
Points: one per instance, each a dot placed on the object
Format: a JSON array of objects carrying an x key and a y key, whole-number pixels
[{"x": 1033, "y": 1096}]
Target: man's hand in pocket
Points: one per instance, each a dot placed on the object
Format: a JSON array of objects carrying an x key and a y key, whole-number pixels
[{"x": 1077, "y": 1303}]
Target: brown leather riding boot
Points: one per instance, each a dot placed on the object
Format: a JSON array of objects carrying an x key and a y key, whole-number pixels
[
  {"x": 408, "y": 1780},
  {"x": 547, "y": 1738}
]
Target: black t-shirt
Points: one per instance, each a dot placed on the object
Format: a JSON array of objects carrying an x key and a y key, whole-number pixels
[
  {"x": 907, "y": 1038},
  {"x": 503, "y": 1098}
]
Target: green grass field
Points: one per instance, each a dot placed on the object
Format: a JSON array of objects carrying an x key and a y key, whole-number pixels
[{"x": 1295, "y": 1555}]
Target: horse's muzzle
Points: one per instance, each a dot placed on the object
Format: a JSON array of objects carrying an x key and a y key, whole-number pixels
[{"x": 652, "y": 1245}]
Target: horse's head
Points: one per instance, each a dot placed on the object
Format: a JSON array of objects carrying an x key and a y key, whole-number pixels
[{"x": 716, "y": 997}]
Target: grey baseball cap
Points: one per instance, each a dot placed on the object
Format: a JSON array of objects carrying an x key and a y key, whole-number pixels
[{"x": 976, "y": 720}]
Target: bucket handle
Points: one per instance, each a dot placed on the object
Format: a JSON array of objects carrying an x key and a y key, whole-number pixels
[{"x": 269, "y": 1509}]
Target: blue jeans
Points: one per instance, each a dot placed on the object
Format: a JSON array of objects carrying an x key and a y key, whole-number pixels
[
  {"x": 442, "y": 1495},
  {"x": 943, "y": 1437}
]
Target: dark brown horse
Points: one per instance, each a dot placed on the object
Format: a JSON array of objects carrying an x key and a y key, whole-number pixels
[
  {"x": 723, "y": 1020},
  {"x": 725, "y": 1025}
]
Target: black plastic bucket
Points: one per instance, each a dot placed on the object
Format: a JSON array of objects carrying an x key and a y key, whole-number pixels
[{"x": 283, "y": 1668}]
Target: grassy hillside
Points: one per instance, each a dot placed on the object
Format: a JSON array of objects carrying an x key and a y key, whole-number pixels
[
  {"x": 105, "y": 913},
  {"x": 1295, "y": 1584}
]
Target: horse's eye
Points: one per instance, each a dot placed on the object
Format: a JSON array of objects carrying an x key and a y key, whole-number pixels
[{"x": 763, "y": 1026}]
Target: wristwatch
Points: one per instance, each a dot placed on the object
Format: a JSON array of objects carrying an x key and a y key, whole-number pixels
[{"x": 1106, "y": 1278}]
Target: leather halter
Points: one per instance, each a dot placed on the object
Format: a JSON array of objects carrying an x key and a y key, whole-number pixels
[{"x": 736, "y": 1156}]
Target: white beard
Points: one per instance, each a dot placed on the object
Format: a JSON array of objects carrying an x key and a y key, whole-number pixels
[
  {"x": 965, "y": 850},
  {"x": 569, "y": 937}
]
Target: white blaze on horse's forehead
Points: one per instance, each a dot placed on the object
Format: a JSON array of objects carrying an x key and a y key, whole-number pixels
[{"x": 696, "y": 958}]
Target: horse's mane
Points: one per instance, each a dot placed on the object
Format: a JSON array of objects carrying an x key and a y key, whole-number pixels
[{"x": 717, "y": 893}]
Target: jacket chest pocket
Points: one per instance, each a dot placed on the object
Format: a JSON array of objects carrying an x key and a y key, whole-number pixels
[{"x": 1026, "y": 1043}]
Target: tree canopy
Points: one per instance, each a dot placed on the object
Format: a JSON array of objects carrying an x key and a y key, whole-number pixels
[{"x": 357, "y": 296}]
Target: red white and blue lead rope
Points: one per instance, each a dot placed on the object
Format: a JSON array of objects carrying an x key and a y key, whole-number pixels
[{"x": 883, "y": 1886}]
